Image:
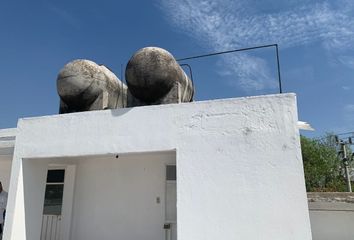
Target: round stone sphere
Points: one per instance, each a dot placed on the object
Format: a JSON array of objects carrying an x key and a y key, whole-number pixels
[
  {"x": 151, "y": 73},
  {"x": 81, "y": 81}
]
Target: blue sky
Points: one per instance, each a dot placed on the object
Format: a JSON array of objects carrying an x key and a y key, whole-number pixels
[{"x": 316, "y": 42}]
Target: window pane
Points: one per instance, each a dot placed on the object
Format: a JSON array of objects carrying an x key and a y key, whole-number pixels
[
  {"x": 171, "y": 172},
  {"x": 171, "y": 202},
  {"x": 53, "y": 199},
  {"x": 55, "y": 176}
]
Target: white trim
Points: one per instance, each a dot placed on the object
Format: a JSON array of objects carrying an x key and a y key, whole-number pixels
[
  {"x": 170, "y": 182},
  {"x": 8, "y": 132},
  {"x": 68, "y": 197},
  {"x": 7, "y": 141}
]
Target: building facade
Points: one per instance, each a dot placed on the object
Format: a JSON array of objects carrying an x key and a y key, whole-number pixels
[{"x": 220, "y": 169}]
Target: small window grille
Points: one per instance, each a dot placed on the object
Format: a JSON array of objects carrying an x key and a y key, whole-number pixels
[{"x": 171, "y": 172}]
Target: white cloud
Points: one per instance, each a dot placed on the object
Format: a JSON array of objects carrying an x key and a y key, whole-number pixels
[
  {"x": 65, "y": 15},
  {"x": 348, "y": 113},
  {"x": 227, "y": 24},
  {"x": 346, "y": 88},
  {"x": 349, "y": 108},
  {"x": 347, "y": 61}
]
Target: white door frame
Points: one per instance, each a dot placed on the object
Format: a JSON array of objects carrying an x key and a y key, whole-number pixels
[
  {"x": 68, "y": 197},
  {"x": 170, "y": 233}
]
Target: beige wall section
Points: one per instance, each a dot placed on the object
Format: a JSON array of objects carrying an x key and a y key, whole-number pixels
[
  {"x": 5, "y": 171},
  {"x": 7, "y": 143},
  {"x": 34, "y": 180}
]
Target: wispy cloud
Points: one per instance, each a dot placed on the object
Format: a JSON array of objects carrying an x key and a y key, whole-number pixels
[
  {"x": 65, "y": 15},
  {"x": 346, "y": 88},
  {"x": 346, "y": 119},
  {"x": 349, "y": 108},
  {"x": 347, "y": 61},
  {"x": 348, "y": 112},
  {"x": 227, "y": 24}
]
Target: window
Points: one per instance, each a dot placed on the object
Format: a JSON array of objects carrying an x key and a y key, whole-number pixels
[
  {"x": 53, "y": 198},
  {"x": 171, "y": 173},
  {"x": 171, "y": 194}
]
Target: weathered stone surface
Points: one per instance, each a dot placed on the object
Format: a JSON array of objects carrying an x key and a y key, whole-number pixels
[
  {"x": 152, "y": 73},
  {"x": 84, "y": 85},
  {"x": 153, "y": 77}
]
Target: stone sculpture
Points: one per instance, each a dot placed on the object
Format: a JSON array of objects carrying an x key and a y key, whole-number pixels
[
  {"x": 83, "y": 86},
  {"x": 153, "y": 77}
]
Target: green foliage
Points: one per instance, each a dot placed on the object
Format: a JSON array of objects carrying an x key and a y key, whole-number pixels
[{"x": 322, "y": 165}]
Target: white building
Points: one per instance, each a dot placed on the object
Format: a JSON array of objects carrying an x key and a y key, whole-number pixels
[{"x": 239, "y": 173}]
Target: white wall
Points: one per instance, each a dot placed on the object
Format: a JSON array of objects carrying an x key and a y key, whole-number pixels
[
  {"x": 237, "y": 159},
  {"x": 5, "y": 171},
  {"x": 116, "y": 198},
  {"x": 332, "y": 220},
  {"x": 113, "y": 198},
  {"x": 34, "y": 180}
]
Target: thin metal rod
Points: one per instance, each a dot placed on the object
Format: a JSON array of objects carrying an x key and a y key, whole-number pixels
[
  {"x": 346, "y": 133},
  {"x": 230, "y": 51},
  {"x": 191, "y": 74},
  {"x": 346, "y": 167},
  {"x": 239, "y": 50},
  {"x": 279, "y": 79},
  {"x": 121, "y": 71}
]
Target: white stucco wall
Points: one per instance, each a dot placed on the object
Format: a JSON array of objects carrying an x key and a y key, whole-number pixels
[
  {"x": 239, "y": 166},
  {"x": 116, "y": 198},
  {"x": 112, "y": 198}
]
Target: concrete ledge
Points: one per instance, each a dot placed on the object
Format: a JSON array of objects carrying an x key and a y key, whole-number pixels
[
  {"x": 7, "y": 141},
  {"x": 331, "y": 201},
  {"x": 341, "y": 197},
  {"x": 8, "y": 133}
]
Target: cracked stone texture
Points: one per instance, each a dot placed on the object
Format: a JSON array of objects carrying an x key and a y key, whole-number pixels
[
  {"x": 153, "y": 72},
  {"x": 84, "y": 85}
]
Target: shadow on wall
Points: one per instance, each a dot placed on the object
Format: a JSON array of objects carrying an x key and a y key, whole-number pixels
[
  {"x": 119, "y": 112},
  {"x": 5, "y": 171},
  {"x": 34, "y": 180}
]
